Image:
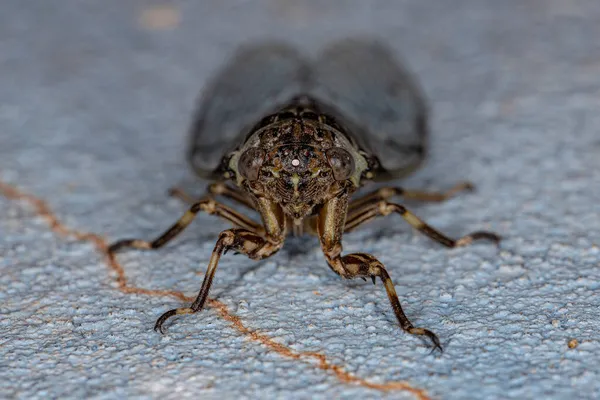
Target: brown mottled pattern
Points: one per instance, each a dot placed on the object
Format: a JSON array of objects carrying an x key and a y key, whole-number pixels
[{"x": 299, "y": 133}]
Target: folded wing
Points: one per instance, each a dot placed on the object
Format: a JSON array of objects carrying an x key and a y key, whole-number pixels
[
  {"x": 255, "y": 82},
  {"x": 370, "y": 89}
]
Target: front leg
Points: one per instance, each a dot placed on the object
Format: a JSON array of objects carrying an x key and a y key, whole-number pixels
[
  {"x": 256, "y": 246},
  {"x": 239, "y": 240},
  {"x": 330, "y": 227}
]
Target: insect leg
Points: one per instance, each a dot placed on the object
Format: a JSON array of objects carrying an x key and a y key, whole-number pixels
[
  {"x": 330, "y": 226},
  {"x": 255, "y": 246},
  {"x": 383, "y": 208},
  {"x": 386, "y": 193},
  {"x": 240, "y": 240},
  {"x": 216, "y": 189},
  {"x": 209, "y": 206}
]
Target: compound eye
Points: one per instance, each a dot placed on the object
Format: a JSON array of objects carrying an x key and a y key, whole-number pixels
[
  {"x": 341, "y": 162},
  {"x": 250, "y": 162}
]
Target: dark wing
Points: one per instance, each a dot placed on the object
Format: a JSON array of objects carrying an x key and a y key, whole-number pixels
[
  {"x": 257, "y": 80},
  {"x": 379, "y": 98}
]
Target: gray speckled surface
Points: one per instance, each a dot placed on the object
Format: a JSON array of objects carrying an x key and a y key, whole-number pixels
[{"x": 95, "y": 99}]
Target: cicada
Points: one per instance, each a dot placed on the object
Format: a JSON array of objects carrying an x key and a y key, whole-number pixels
[{"x": 293, "y": 138}]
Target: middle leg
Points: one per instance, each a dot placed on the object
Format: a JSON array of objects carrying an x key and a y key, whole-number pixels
[
  {"x": 368, "y": 212},
  {"x": 209, "y": 206}
]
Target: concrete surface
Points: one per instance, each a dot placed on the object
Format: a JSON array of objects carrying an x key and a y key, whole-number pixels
[{"x": 95, "y": 100}]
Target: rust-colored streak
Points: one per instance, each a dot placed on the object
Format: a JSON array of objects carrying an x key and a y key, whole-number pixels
[{"x": 42, "y": 210}]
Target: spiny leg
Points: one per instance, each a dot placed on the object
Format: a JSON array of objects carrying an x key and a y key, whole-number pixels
[
  {"x": 369, "y": 212},
  {"x": 215, "y": 189},
  {"x": 330, "y": 226},
  {"x": 240, "y": 240},
  {"x": 254, "y": 245},
  {"x": 364, "y": 265},
  {"x": 386, "y": 193},
  {"x": 209, "y": 206}
]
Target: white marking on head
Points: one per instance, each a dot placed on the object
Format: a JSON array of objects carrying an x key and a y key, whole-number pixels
[{"x": 295, "y": 162}]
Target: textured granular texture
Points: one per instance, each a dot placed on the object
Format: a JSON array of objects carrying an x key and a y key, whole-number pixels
[{"x": 95, "y": 102}]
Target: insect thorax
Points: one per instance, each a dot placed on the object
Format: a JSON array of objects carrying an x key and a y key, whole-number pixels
[{"x": 298, "y": 158}]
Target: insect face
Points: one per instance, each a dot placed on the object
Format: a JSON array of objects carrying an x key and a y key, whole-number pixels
[{"x": 296, "y": 164}]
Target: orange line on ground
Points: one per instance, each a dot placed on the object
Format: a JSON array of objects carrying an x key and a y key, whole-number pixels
[{"x": 41, "y": 209}]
